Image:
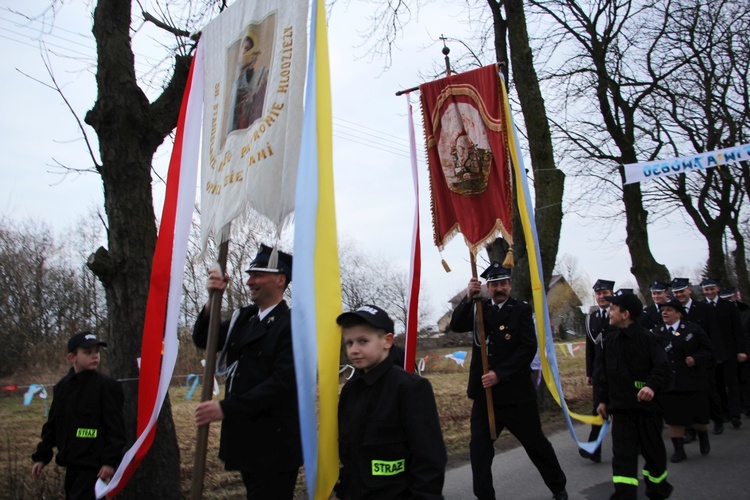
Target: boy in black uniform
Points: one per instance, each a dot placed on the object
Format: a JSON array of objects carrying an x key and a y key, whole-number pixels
[
  {"x": 390, "y": 442},
  {"x": 85, "y": 422},
  {"x": 597, "y": 325},
  {"x": 511, "y": 347},
  {"x": 635, "y": 371}
]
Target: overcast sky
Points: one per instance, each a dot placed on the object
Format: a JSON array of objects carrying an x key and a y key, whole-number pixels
[{"x": 374, "y": 190}]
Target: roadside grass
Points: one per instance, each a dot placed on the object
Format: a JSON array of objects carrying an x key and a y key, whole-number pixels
[{"x": 21, "y": 426}]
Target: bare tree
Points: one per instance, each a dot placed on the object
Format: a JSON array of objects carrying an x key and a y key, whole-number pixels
[
  {"x": 654, "y": 71},
  {"x": 130, "y": 127},
  {"x": 366, "y": 279}
]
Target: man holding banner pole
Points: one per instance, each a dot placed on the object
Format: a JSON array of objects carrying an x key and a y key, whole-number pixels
[
  {"x": 511, "y": 346},
  {"x": 260, "y": 434}
]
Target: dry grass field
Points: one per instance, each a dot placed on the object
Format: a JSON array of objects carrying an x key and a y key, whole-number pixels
[{"x": 21, "y": 426}]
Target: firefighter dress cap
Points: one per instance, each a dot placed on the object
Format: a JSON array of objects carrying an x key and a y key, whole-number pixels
[
  {"x": 496, "y": 272},
  {"x": 674, "y": 303},
  {"x": 709, "y": 282},
  {"x": 679, "y": 284},
  {"x": 658, "y": 286},
  {"x": 604, "y": 285},
  {"x": 260, "y": 263},
  {"x": 623, "y": 291},
  {"x": 727, "y": 293},
  {"x": 84, "y": 339},
  {"x": 372, "y": 315},
  {"x": 627, "y": 301}
]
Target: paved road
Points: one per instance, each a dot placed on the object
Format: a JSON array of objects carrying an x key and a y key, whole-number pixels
[{"x": 723, "y": 474}]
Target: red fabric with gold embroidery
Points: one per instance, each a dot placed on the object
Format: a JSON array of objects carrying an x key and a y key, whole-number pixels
[{"x": 470, "y": 177}]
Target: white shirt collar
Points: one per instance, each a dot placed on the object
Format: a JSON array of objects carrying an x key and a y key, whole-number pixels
[{"x": 262, "y": 314}]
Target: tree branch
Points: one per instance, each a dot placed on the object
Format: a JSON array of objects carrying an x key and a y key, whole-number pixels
[{"x": 166, "y": 27}]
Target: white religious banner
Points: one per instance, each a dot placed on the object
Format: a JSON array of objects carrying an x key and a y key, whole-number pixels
[
  {"x": 646, "y": 171},
  {"x": 255, "y": 60}
]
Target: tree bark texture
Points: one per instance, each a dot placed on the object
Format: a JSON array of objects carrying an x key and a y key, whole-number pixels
[
  {"x": 130, "y": 129},
  {"x": 548, "y": 180}
]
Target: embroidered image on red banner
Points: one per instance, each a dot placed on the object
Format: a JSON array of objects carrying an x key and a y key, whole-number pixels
[{"x": 470, "y": 177}]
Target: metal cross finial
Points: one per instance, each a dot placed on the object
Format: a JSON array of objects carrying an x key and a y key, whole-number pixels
[{"x": 446, "y": 51}]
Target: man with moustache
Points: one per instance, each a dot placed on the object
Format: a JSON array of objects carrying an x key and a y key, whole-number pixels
[
  {"x": 730, "y": 329},
  {"x": 511, "y": 346}
]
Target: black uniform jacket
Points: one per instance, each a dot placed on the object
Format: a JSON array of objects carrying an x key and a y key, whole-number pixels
[
  {"x": 633, "y": 358},
  {"x": 596, "y": 329},
  {"x": 730, "y": 327},
  {"x": 390, "y": 441},
  {"x": 511, "y": 347},
  {"x": 704, "y": 316},
  {"x": 650, "y": 318},
  {"x": 85, "y": 422},
  {"x": 688, "y": 340},
  {"x": 261, "y": 420}
]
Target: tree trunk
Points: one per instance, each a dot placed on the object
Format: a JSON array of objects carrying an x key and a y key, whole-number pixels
[
  {"x": 549, "y": 181},
  {"x": 643, "y": 264},
  {"x": 130, "y": 129}
]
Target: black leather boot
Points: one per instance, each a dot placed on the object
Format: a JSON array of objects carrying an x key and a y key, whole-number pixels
[
  {"x": 705, "y": 446},
  {"x": 679, "y": 451}
]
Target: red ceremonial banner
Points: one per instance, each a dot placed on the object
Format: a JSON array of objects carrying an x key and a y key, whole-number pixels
[{"x": 467, "y": 151}]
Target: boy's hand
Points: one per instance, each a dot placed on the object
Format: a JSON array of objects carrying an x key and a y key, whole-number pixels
[
  {"x": 36, "y": 470},
  {"x": 645, "y": 394},
  {"x": 207, "y": 412},
  {"x": 602, "y": 411},
  {"x": 106, "y": 473}
]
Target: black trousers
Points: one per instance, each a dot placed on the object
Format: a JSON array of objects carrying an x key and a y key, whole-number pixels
[
  {"x": 523, "y": 422},
  {"x": 635, "y": 432},
  {"x": 79, "y": 483},
  {"x": 728, "y": 387},
  {"x": 269, "y": 485}
]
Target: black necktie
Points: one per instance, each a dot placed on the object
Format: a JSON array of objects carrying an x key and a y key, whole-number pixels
[
  {"x": 713, "y": 303},
  {"x": 671, "y": 330}
]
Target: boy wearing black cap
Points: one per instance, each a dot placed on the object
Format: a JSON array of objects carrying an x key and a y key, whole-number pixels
[
  {"x": 85, "y": 421},
  {"x": 260, "y": 434},
  {"x": 635, "y": 371},
  {"x": 390, "y": 442}
]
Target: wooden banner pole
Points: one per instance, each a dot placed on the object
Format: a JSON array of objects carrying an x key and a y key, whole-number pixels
[
  {"x": 483, "y": 348},
  {"x": 201, "y": 440}
]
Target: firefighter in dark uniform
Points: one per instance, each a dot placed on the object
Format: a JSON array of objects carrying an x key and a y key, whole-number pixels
[
  {"x": 730, "y": 327},
  {"x": 597, "y": 324},
  {"x": 260, "y": 434},
  {"x": 686, "y": 399},
  {"x": 705, "y": 316},
  {"x": 511, "y": 346},
  {"x": 651, "y": 316},
  {"x": 635, "y": 371},
  {"x": 730, "y": 294}
]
